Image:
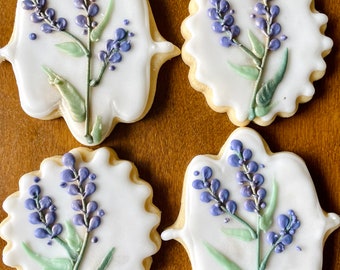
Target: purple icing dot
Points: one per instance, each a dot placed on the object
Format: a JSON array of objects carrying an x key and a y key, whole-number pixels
[
  {"x": 126, "y": 22},
  {"x": 101, "y": 213},
  {"x": 36, "y": 179},
  {"x": 32, "y": 36},
  {"x": 94, "y": 239},
  {"x": 92, "y": 176},
  {"x": 196, "y": 173},
  {"x": 112, "y": 68}
]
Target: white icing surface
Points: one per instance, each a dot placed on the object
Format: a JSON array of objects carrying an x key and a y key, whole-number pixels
[
  {"x": 296, "y": 191},
  {"x": 227, "y": 91},
  {"x": 126, "y": 225},
  {"x": 124, "y": 95}
]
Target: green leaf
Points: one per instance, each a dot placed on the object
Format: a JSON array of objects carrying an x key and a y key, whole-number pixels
[
  {"x": 257, "y": 45},
  {"x": 266, "y": 92},
  {"x": 266, "y": 219},
  {"x": 98, "y": 31},
  {"x": 242, "y": 234},
  {"x": 72, "y": 237},
  {"x": 71, "y": 48},
  {"x": 107, "y": 260},
  {"x": 248, "y": 72},
  {"x": 262, "y": 111},
  {"x": 221, "y": 258},
  {"x": 97, "y": 131},
  {"x": 74, "y": 101},
  {"x": 49, "y": 263}
]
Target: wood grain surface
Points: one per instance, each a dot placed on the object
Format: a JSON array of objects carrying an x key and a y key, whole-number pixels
[{"x": 179, "y": 126}]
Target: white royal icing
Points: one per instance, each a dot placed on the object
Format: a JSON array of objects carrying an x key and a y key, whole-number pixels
[
  {"x": 128, "y": 224},
  {"x": 225, "y": 89},
  {"x": 123, "y": 95},
  {"x": 295, "y": 191}
]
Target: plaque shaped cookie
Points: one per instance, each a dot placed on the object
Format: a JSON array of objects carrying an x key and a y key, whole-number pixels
[
  {"x": 95, "y": 63},
  {"x": 248, "y": 208},
  {"x": 84, "y": 210},
  {"x": 255, "y": 60}
]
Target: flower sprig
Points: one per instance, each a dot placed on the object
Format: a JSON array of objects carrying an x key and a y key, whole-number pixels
[
  {"x": 79, "y": 183},
  {"x": 78, "y": 46},
  {"x": 265, "y": 18},
  {"x": 251, "y": 182}
]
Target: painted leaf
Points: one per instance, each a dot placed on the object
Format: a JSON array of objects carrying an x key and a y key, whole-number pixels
[
  {"x": 266, "y": 219},
  {"x": 107, "y": 260},
  {"x": 71, "y": 48},
  {"x": 257, "y": 45},
  {"x": 97, "y": 131},
  {"x": 262, "y": 111},
  {"x": 266, "y": 92},
  {"x": 248, "y": 72},
  {"x": 73, "y": 99},
  {"x": 242, "y": 234},
  {"x": 221, "y": 258},
  {"x": 49, "y": 263},
  {"x": 72, "y": 237},
  {"x": 98, "y": 31}
]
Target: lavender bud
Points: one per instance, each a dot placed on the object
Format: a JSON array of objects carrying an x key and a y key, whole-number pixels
[
  {"x": 34, "y": 218},
  {"x": 198, "y": 184},
  {"x": 274, "y": 44},
  {"x": 279, "y": 248},
  {"x": 30, "y": 204},
  {"x": 110, "y": 45},
  {"x": 28, "y": 5},
  {"x": 235, "y": 31},
  {"x": 45, "y": 202},
  {"x": 247, "y": 154},
  {"x": 67, "y": 176},
  {"x": 78, "y": 220},
  {"x": 207, "y": 172},
  {"x": 213, "y": 14},
  {"x": 231, "y": 207},
  {"x": 236, "y": 145},
  {"x": 34, "y": 191},
  {"x": 252, "y": 167},
  {"x": 261, "y": 24},
  {"x": 272, "y": 238},
  {"x": 91, "y": 207},
  {"x": 217, "y": 27},
  {"x": 260, "y": 8},
  {"x": 102, "y": 55},
  {"x": 81, "y": 21},
  {"x": 79, "y": 4},
  {"x": 120, "y": 34},
  {"x": 234, "y": 160},
  {"x": 261, "y": 193},
  {"x": 125, "y": 46},
  {"x": 250, "y": 206},
  {"x": 206, "y": 197},
  {"x": 93, "y": 10},
  {"x": 83, "y": 173},
  {"x": 68, "y": 160},
  {"x": 41, "y": 233},
  {"x": 61, "y": 24},
  {"x": 36, "y": 18},
  {"x": 56, "y": 230},
  {"x": 287, "y": 239},
  {"x": 215, "y": 210},
  {"x": 90, "y": 188},
  {"x": 224, "y": 6},
  {"x": 283, "y": 221},
  {"x": 223, "y": 195},
  {"x": 274, "y": 11},
  {"x": 215, "y": 185},
  {"x": 115, "y": 58},
  {"x": 228, "y": 20},
  {"x": 94, "y": 223},
  {"x": 50, "y": 13},
  {"x": 50, "y": 218},
  {"x": 246, "y": 191},
  {"x": 275, "y": 29},
  {"x": 241, "y": 178},
  {"x": 258, "y": 179},
  {"x": 73, "y": 189},
  {"x": 77, "y": 205}
]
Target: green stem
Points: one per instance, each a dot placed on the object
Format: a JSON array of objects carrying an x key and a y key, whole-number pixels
[
  {"x": 258, "y": 247},
  {"x": 81, "y": 252},
  {"x": 266, "y": 258}
]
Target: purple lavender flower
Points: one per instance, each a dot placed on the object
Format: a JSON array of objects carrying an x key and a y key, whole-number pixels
[
  {"x": 44, "y": 15},
  {"x": 44, "y": 214},
  {"x": 248, "y": 177},
  {"x": 86, "y": 20},
  {"x": 80, "y": 183},
  {"x": 265, "y": 16},
  {"x": 288, "y": 225},
  {"x": 224, "y": 21},
  {"x": 214, "y": 193}
]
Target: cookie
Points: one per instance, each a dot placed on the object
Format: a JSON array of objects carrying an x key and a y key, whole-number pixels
[
  {"x": 249, "y": 208},
  {"x": 94, "y": 63},
  {"x": 255, "y": 60},
  {"x": 84, "y": 210}
]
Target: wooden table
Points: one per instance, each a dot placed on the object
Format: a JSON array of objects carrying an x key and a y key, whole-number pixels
[{"x": 180, "y": 126}]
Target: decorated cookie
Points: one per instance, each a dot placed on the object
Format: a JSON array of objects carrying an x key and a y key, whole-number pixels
[
  {"x": 95, "y": 63},
  {"x": 84, "y": 210},
  {"x": 248, "y": 208},
  {"x": 255, "y": 60}
]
